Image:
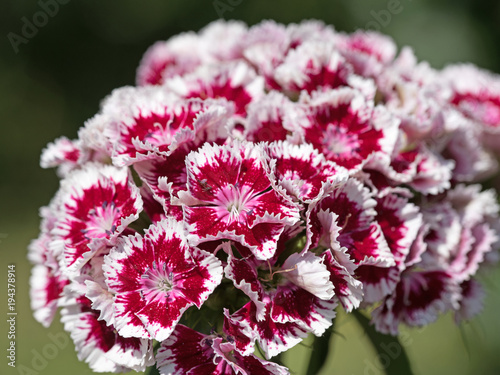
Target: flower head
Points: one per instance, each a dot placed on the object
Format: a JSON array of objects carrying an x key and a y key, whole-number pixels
[{"x": 155, "y": 278}]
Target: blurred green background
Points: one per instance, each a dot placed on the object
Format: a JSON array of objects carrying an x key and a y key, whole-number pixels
[{"x": 58, "y": 76}]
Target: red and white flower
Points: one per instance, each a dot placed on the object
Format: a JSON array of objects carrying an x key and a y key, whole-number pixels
[
  {"x": 471, "y": 301},
  {"x": 145, "y": 122},
  {"x": 179, "y": 55},
  {"x": 266, "y": 175},
  {"x": 303, "y": 171},
  {"x": 97, "y": 203},
  {"x": 346, "y": 128},
  {"x": 475, "y": 93},
  {"x": 189, "y": 352},
  {"x": 418, "y": 299},
  {"x": 98, "y": 344},
  {"x": 314, "y": 65},
  {"x": 400, "y": 222},
  {"x": 46, "y": 286},
  {"x": 345, "y": 218},
  {"x": 236, "y": 82},
  {"x": 272, "y": 118},
  {"x": 232, "y": 195},
  {"x": 303, "y": 279},
  {"x": 155, "y": 278},
  {"x": 62, "y": 153},
  {"x": 369, "y": 52}
]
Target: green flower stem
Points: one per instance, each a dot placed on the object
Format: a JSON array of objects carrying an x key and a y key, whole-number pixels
[
  {"x": 278, "y": 359},
  {"x": 320, "y": 350},
  {"x": 395, "y": 361},
  {"x": 152, "y": 371}
]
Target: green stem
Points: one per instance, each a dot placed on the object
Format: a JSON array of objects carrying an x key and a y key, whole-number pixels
[
  {"x": 391, "y": 353},
  {"x": 278, "y": 359},
  {"x": 152, "y": 371},
  {"x": 320, "y": 350}
]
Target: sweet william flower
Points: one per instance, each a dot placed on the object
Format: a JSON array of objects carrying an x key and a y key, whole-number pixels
[
  {"x": 417, "y": 300},
  {"x": 187, "y": 351},
  {"x": 272, "y": 118},
  {"x": 475, "y": 93},
  {"x": 352, "y": 208},
  {"x": 46, "y": 288},
  {"x": 166, "y": 59},
  {"x": 232, "y": 195},
  {"x": 156, "y": 277},
  {"x": 303, "y": 171},
  {"x": 236, "y": 82},
  {"x": 312, "y": 65},
  {"x": 218, "y": 42},
  {"x": 368, "y": 52},
  {"x": 471, "y": 301},
  {"x": 99, "y": 344},
  {"x": 97, "y": 202},
  {"x": 297, "y": 291},
  {"x": 399, "y": 221},
  {"x": 346, "y": 127},
  {"x": 62, "y": 153},
  {"x": 47, "y": 280},
  {"x": 144, "y": 122},
  {"x": 255, "y": 179},
  {"x": 273, "y": 337}
]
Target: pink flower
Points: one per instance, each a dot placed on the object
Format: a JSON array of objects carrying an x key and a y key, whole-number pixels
[
  {"x": 147, "y": 122},
  {"x": 345, "y": 217},
  {"x": 418, "y": 300},
  {"x": 314, "y": 65},
  {"x": 368, "y": 52},
  {"x": 155, "y": 278},
  {"x": 475, "y": 93},
  {"x": 273, "y": 287},
  {"x": 62, "y": 153},
  {"x": 47, "y": 280},
  {"x": 303, "y": 171},
  {"x": 347, "y": 129},
  {"x": 163, "y": 60},
  {"x": 400, "y": 222},
  {"x": 471, "y": 301},
  {"x": 46, "y": 286},
  {"x": 98, "y": 344},
  {"x": 236, "y": 82},
  {"x": 272, "y": 118},
  {"x": 232, "y": 195},
  {"x": 189, "y": 352},
  {"x": 97, "y": 203},
  {"x": 256, "y": 179},
  {"x": 165, "y": 177}
]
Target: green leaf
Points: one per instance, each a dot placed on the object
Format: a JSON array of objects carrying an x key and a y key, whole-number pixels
[{"x": 389, "y": 349}]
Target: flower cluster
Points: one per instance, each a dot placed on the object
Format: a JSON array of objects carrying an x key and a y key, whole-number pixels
[{"x": 254, "y": 181}]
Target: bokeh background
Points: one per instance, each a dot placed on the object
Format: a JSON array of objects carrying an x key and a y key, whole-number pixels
[{"x": 58, "y": 75}]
